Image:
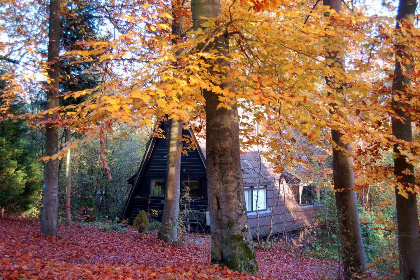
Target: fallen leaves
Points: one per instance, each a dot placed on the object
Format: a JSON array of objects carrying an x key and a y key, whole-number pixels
[{"x": 86, "y": 252}]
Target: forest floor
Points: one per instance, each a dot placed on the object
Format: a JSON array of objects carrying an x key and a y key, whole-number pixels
[{"x": 90, "y": 252}]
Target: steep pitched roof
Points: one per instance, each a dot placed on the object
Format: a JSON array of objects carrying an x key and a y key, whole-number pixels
[{"x": 133, "y": 179}]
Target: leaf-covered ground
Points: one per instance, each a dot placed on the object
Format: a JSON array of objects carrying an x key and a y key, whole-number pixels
[{"x": 87, "y": 252}]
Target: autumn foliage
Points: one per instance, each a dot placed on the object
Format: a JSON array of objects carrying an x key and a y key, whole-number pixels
[{"x": 277, "y": 76}]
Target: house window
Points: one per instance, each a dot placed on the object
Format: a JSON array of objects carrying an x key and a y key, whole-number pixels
[
  {"x": 256, "y": 198},
  {"x": 306, "y": 195},
  {"x": 158, "y": 187}
]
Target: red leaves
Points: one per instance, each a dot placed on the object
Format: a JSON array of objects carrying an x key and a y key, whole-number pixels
[
  {"x": 280, "y": 263},
  {"x": 86, "y": 252}
]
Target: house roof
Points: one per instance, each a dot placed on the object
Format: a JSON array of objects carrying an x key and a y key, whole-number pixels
[
  {"x": 133, "y": 179},
  {"x": 255, "y": 170}
]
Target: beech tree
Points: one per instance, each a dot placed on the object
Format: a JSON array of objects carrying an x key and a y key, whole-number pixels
[
  {"x": 353, "y": 254},
  {"x": 170, "y": 220},
  {"x": 406, "y": 201},
  {"x": 231, "y": 243},
  {"x": 49, "y": 201},
  {"x": 169, "y": 228}
]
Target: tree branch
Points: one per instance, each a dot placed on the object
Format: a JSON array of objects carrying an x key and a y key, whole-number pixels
[
  {"x": 14, "y": 61},
  {"x": 313, "y": 8}
]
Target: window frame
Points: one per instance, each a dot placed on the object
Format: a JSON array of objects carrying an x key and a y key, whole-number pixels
[
  {"x": 153, "y": 182},
  {"x": 250, "y": 201}
]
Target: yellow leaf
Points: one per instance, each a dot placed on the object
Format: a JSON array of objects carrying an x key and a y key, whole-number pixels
[
  {"x": 136, "y": 93},
  {"x": 162, "y": 103},
  {"x": 145, "y": 98},
  {"x": 44, "y": 158},
  {"x": 105, "y": 57},
  {"x": 160, "y": 92},
  {"x": 195, "y": 67},
  {"x": 147, "y": 122},
  {"x": 164, "y": 26},
  {"x": 167, "y": 15}
]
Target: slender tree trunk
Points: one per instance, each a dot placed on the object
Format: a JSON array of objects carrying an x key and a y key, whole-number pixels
[
  {"x": 231, "y": 243},
  {"x": 49, "y": 203},
  {"x": 354, "y": 259},
  {"x": 169, "y": 228},
  {"x": 407, "y": 217},
  {"x": 68, "y": 180}
]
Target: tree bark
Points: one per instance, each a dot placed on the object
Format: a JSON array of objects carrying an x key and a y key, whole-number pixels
[
  {"x": 68, "y": 180},
  {"x": 354, "y": 259},
  {"x": 407, "y": 215},
  {"x": 49, "y": 202},
  {"x": 231, "y": 243},
  {"x": 169, "y": 229}
]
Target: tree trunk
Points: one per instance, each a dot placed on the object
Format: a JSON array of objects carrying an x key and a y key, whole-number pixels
[
  {"x": 354, "y": 259},
  {"x": 49, "y": 202},
  {"x": 231, "y": 243},
  {"x": 169, "y": 229},
  {"x": 68, "y": 180},
  {"x": 407, "y": 217}
]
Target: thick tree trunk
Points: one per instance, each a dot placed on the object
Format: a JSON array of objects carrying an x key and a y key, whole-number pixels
[
  {"x": 49, "y": 202},
  {"x": 231, "y": 244},
  {"x": 169, "y": 229},
  {"x": 354, "y": 259},
  {"x": 407, "y": 217},
  {"x": 68, "y": 180}
]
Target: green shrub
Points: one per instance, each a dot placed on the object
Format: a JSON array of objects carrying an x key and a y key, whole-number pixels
[
  {"x": 154, "y": 225},
  {"x": 141, "y": 222}
]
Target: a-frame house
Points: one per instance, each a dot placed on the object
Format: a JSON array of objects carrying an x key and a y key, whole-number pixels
[
  {"x": 148, "y": 184},
  {"x": 272, "y": 202}
]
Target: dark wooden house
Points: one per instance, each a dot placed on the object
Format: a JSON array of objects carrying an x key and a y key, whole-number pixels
[
  {"x": 148, "y": 184},
  {"x": 270, "y": 199}
]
